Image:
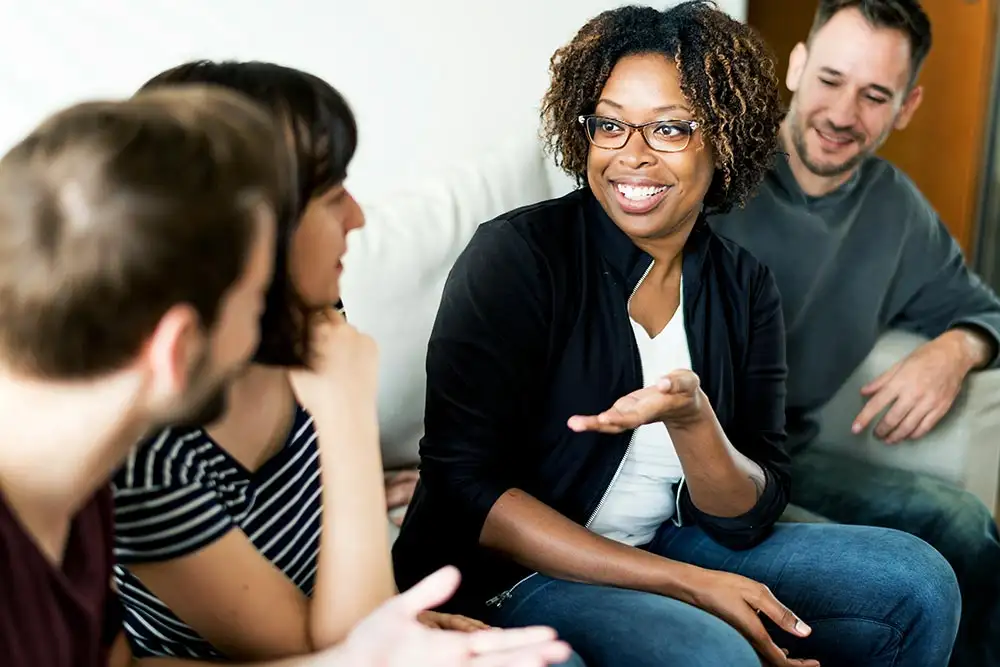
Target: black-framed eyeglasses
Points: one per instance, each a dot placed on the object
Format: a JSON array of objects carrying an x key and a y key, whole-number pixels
[{"x": 665, "y": 136}]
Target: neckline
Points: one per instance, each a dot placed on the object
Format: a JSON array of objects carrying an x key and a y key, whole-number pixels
[
  {"x": 785, "y": 176},
  {"x": 72, "y": 563},
  {"x": 638, "y": 327},
  {"x": 264, "y": 470}
]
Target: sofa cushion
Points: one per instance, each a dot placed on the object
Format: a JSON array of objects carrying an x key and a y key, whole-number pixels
[
  {"x": 962, "y": 448},
  {"x": 395, "y": 269},
  {"x": 941, "y": 453}
]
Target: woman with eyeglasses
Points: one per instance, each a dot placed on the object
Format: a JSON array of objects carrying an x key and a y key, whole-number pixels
[{"x": 605, "y": 393}]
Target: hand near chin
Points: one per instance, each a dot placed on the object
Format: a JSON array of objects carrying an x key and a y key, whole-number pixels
[
  {"x": 343, "y": 368},
  {"x": 675, "y": 399}
]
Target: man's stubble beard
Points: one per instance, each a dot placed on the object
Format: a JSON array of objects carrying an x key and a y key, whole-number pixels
[
  {"x": 211, "y": 409},
  {"x": 215, "y": 401},
  {"x": 830, "y": 170}
]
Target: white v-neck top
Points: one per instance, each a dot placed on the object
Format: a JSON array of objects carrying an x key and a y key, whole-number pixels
[{"x": 641, "y": 495}]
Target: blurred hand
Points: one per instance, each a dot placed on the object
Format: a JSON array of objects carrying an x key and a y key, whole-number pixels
[
  {"x": 391, "y": 636},
  {"x": 439, "y": 621}
]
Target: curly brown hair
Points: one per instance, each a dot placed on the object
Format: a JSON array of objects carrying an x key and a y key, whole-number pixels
[{"x": 727, "y": 74}]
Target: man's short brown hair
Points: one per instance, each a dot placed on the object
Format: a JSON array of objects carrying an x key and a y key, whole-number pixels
[
  {"x": 906, "y": 16},
  {"x": 112, "y": 212}
]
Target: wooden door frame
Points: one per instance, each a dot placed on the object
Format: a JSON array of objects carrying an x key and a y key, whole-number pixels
[{"x": 986, "y": 232}]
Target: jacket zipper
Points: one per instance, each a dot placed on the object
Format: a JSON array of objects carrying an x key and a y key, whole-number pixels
[
  {"x": 499, "y": 599},
  {"x": 678, "y": 519}
]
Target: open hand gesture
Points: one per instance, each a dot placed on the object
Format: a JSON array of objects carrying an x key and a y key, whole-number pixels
[{"x": 675, "y": 399}]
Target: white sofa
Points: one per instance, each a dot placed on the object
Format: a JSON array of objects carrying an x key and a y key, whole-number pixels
[{"x": 395, "y": 272}]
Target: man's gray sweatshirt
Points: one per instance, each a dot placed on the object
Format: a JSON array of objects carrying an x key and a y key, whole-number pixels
[{"x": 870, "y": 256}]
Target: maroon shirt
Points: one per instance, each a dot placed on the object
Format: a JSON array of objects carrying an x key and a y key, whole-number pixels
[{"x": 51, "y": 616}]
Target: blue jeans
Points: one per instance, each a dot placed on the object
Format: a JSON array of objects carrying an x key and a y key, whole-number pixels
[
  {"x": 874, "y": 598},
  {"x": 951, "y": 520}
]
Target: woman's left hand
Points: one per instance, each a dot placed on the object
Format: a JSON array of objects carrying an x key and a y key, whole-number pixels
[
  {"x": 675, "y": 400},
  {"x": 439, "y": 621}
]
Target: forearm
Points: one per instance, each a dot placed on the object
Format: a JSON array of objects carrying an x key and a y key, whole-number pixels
[
  {"x": 354, "y": 573},
  {"x": 539, "y": 538},
  {"x": 722, "y": 481}
]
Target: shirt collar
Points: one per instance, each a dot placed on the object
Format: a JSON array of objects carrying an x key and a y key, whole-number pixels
[{"x": 627, "y": 259}]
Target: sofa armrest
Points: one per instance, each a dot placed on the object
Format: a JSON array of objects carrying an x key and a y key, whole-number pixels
[
  {"x": 964, "y": 448},
  {"x": 981, "y": 412}
]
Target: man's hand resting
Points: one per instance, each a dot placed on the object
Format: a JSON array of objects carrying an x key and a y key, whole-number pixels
[{"x": 919, "y": 390}]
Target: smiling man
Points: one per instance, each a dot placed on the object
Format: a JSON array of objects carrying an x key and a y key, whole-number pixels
[{"x": 856, "y": 249}]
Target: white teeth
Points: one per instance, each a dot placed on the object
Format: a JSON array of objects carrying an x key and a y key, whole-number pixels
[
  {"x": 638, "y": 193},
  {"x": 835, "y": 139}
]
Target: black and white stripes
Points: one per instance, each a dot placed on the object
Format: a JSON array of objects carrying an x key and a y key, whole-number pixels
[{"x": 179, "y": 492}]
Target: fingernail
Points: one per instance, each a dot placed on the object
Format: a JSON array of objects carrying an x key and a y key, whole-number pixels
[
  {"x": 855, "y": 428},
  {"x": 802, "y": 628}
]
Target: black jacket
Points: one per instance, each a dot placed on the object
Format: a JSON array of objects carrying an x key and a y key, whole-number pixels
[{"x": 533, "y": 328}]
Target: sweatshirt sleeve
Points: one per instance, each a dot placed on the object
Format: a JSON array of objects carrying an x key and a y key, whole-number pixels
[{"x": 935, "y": 291}]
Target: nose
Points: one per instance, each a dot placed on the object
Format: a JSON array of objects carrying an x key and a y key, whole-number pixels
[
  {"x": 355, "y": 219},
  {"x": 636, "y": 152},
  {"x": 843, "y": 112}
]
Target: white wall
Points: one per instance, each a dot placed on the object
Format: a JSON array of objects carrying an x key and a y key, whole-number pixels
[{"x": 432, "y": 81}]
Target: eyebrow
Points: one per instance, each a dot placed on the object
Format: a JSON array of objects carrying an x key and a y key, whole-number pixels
[
  {"x": 663, "y": 109},
  {"x": 888, "y": 92}
]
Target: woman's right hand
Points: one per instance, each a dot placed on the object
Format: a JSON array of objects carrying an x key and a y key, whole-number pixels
[
  {"x": 343, "y": 373},
  {"x": 738, "y": 601}
]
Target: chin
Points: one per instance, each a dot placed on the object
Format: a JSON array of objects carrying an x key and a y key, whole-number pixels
[
  {"x": 208, "y": 411},
  {"x": 821, "y": 163},
  {"x": 321, "y": 300},
  {"x": 826, "y": 168},
  {"x": 663, "y": 221},
  {"x": 648, "y": 228},
  {"x": 213, "y": 409}
]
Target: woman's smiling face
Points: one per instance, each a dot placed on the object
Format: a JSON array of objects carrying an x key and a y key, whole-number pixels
[{"x": 649, "y": 193}]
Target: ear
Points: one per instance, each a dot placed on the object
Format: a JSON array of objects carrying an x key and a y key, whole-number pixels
[
  {"x": 171, "y": 352},
  {"x": 909, "y": 107},
  {"x": 796, "y": 66}
]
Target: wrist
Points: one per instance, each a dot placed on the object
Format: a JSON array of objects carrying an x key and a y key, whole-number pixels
[
  {"x": 698, "y": 417},
  {"x": 972, "y": 349},
  {"x": 682, "y": 581},
  {"x": 340, "y": 414}
]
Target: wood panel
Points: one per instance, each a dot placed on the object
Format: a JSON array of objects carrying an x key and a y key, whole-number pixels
[{"x": 944, "y": 148}]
